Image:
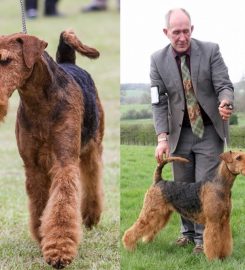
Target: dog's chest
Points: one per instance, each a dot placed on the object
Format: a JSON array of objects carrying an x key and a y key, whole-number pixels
[{"x": 35, "y": 149}]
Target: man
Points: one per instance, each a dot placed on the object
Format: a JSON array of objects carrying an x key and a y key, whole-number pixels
[
  {"x": 95, "y": 5},
  {"x": 192, "y": 98},
  {"x": 98, "y": 5},
  {"x": 50, "y": 8}
]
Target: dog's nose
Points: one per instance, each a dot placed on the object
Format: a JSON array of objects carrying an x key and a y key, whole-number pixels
[{"x": 4, "y": 55}]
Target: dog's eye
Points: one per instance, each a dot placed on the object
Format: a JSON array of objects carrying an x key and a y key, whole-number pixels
[
  {"x": 239, "y": 157},
  {"x": 5, "y": 61}
]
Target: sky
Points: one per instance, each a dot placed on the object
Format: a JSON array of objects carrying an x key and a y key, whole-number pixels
[{"x": 141, "y": 34}]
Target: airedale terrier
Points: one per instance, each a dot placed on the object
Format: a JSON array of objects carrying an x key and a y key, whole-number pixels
[
  {"x": 59, "y": 131},
  {"x": 207, "y": 203}
]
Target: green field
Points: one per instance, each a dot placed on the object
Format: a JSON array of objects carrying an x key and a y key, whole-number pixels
[
  {"x": 241, "y": 119},
  {"x": 100, "y": 247},
  {"x": 137, "y": 166},
  {"x": 138, "y": 107},
  {"x": 135, "y": 107},
  {"x": 135, "y": 93},
  {"x": 137, "y": 121}
]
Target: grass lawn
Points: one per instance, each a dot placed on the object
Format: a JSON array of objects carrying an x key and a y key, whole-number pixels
[
  {"x": 100, "y": 247},
  {"x": 137, "y": 166},
  {"x": 241, "y": 119}
]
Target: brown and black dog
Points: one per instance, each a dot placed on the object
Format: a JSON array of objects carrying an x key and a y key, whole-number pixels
[
  {"x": 207, "y": 202},
  {"x": 59, "y": 131}
]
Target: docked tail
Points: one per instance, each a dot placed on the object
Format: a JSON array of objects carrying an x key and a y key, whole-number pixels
[
  {"x": 158, "y": 172},
  {"x": 69, "y": 44}
]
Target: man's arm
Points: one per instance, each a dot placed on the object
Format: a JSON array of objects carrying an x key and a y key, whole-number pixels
[
  {"x": 160, "y": 112},
  {"x": 222, "y": 84},
  {"x": 160, "y": 108}
]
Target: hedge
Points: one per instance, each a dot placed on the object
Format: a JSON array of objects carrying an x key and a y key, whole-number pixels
[
  {"x": 138, "y": 134},
  {"x": 145, "y": 135},
  {"x": 134, "y": 114}
]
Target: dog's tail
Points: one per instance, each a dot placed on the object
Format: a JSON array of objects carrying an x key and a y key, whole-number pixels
[
  {"x": 158, "y": 172},
  {"x": 69, "y": 44}
]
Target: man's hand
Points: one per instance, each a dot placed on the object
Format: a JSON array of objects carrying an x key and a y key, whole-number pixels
[
  {"x": 224, "y": 110},
  {"x": 162, "y": 148}
]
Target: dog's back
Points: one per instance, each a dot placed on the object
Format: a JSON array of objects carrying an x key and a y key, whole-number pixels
[{"x": 66, "y": 58}]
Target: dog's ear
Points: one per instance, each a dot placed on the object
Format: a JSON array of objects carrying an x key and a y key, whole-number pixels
[
  {"x": 32, "y": 48},
  {"x": 227, "y": 157}
]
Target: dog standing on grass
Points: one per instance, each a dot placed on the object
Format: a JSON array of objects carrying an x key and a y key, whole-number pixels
[
  {"x": 59, "y": 131},
  {"x": 207, "y": 202}
]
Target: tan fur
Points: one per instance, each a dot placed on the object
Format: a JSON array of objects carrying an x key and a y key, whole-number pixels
[
  {"x": 215, "y": 197},
  {"x": 63, "y": 175},
  {"x": 72, "y": 40}
]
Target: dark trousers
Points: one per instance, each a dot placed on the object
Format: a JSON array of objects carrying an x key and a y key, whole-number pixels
[
  {"x": 203, "y": 155},
  {"x": 49, "y": 7}
]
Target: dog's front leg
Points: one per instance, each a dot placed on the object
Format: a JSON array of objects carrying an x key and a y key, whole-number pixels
[
  {"x": 60, "y": 227},
  {"x": 37, "y": 187}
]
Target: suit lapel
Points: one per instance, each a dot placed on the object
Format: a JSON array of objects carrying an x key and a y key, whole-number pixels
[{"x": 195, "y": 63}]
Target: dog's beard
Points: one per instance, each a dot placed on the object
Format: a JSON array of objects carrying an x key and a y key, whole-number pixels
[{"x": 3, "y": 108}]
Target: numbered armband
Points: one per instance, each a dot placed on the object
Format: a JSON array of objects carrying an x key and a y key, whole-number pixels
[{"x": 154, "y": 94}]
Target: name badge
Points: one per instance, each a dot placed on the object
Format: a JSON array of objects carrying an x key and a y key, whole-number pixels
[{"x": 154, "y": 95}]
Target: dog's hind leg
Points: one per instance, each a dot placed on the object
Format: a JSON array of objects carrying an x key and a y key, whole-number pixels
[
  {"x": 157, "y": 226},
  {"x": 153, "y": 217},
  {"x": 91, "y": 184}
]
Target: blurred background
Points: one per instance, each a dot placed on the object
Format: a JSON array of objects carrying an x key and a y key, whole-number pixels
[{"x": 98, "y": 29}]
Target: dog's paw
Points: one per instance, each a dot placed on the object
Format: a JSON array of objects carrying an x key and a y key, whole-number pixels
[
  {"x": 58, "y": 263},
  {"x": 90, "y": 219},
  {"x": 147, "y": 239},
  {"x": 57, "y": 260},
  {"x": 59, "y": 254},
  {"x": 128, "y": 242}
]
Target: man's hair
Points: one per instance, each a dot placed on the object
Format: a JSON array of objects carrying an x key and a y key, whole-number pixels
[{"x": 168, "y": 15}]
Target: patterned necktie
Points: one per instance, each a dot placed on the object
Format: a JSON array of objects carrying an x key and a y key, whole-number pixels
[{"x": 192, "y": 105}]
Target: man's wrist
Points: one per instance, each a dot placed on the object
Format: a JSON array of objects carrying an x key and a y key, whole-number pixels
[{"x": 162, "y": 138}]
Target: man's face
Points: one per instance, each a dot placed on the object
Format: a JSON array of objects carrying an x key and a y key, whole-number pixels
[{"x": 179, "y": 31}]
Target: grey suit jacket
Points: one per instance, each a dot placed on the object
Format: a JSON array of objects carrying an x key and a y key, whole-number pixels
[{"x": 210, "y": 81}]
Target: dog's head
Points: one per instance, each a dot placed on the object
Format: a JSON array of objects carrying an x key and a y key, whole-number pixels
[
  {"x": 18, "y": 54},
  {"x": 235, "y": 162}
]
